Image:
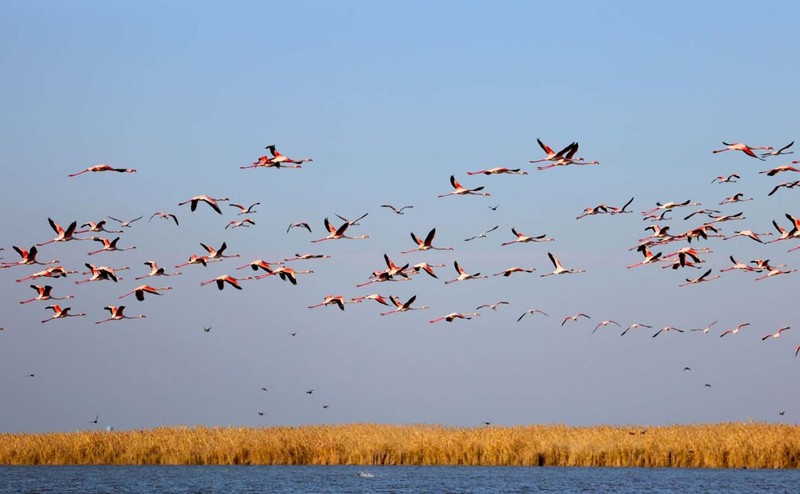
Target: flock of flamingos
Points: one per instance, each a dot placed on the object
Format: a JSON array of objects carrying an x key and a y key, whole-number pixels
[{"x": 661, "y": 248}]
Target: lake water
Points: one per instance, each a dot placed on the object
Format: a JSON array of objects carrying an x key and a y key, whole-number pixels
[{"x": 346, "y": 479}]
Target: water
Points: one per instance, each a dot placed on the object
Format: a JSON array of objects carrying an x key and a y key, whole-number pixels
[{"x": 346, "y": 479}]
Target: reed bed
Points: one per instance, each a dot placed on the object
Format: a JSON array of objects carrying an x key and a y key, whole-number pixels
[{"x": 725, "y": 445}]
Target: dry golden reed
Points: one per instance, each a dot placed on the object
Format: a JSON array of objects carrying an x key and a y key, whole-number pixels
[{"x": 727, "y": 445}]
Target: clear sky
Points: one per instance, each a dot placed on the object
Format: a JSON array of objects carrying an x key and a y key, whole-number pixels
[{"x": 390, "y": 99}]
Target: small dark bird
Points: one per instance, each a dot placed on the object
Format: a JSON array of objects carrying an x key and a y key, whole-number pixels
[
  {"x": 31, "y": 375},
  {"x": 95, "y": 419},
  {"x": 310, "y": 391},
  {"x": 687, "y": 369},
  {"x": 293, "y": 333},
  {"x": 494, "y": 208},
  {"x": 708, "y": 385},
  {"x": 782, "y": 412},
  {"x": 207, "y": 329},
  {"x": 261, "y": 413},
  {"x": 325, "y": 406},
  {"x": 263, "y": 389},
  {"x": 487, "y": 423}
]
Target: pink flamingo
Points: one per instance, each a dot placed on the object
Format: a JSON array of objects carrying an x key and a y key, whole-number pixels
[
  {"x": 142, "y": 289},
  {"x": 508, "y": 272},
  {"x": 499, "y": 170},
  {"x": 574, "y": 318},
  {"x": 776, "y": 334},
  {"x": 61, "y": 234},
  {"x": 491, "y": 306},
  {"x": 212, "y": 202},
  {"x": 532, "y": 312},
  {"x": 667, "y": 329},
  {"x": 100, "y": 226},
  {"x": 780, "y": 169},
  {"x": 738, "y": 146},
  {"x": 426, "y": 244},
  {"x": 109, "y": 246},
  {"x": 102, "y": 168},
  {"x": 522, "y": 238},
  {"x": 49, "y": 272},
  {"x": 634, "y": 327},
  {"x": 559, "y": 269},
  {"x": 282, "y": 160},
  {"x": 44, "y": 293},
  {"x": 241, "y": 223},
  {"x": 605, "y": 323},
  {"x": 735, "y": 330},
  {"x": 455, "y": 315},
  {"x": 59, "y": 313},
  {"x": 779, "y": 152},
  {"x": 28, "y": 258},
  {"x": 463, "y": 275},
  {"x": 706, "y": 329},
  {"x": 286, "y": 274},
  {"x": 403, "y": 307},
  {"x": 700, "y": 279},
  {"x": 165, "y": 216},
  {"x": 552, "y": 155},
  {"x": 221, "y": 280},
  {"x": 101, "y": 273},
  {"x": 259, "y": 264},
  {"x": 217, "y": 253},
  {"x": 336, "y": 300},
  {"x": 117, "y": 314},
  {"x": 338, "y": 233},
  {"x": 460, "y": 190},
  {"x": 245, "y": 209},
  {"x": 156, "y": 271}
]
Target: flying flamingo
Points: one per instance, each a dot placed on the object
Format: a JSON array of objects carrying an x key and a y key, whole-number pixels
[
  {"x": 28, "y": 258},
  {"x": 218, "y": 253},
  {"x": 671, "y": 205},
  {"x": 336, "y": 300},
  {"x": 658, "y": 217},
  {"x": 635, "y": 326},
  {"x": 599, "y": 209},
  {"x": 749, "y": 234},
  {"x": 604, "y": 324},
  {"x": 522, "y": 238},
  {"x": 700, "y": 279},
  {"x": 568, "y": 159},
  {"x": 102, "y": 168},
  {"x": 354, "y": 222},
  {"x": 701, "y": 211},
  {"x": 281, "y": 159},
  {"x": 299, "y": 225},
  {"x": 706, "y": 329},
  {"x": 156, "y": 271},
  {"x": 108, "y": 245},
  {"x": 373, "y": 296},
  {"x": 337, "y": 233},
  {"x": 491, "y": 306},
  {"x": 774, "y": 271},
  {"x": 428, "y": 268},
  {"x": 508, "y": 272},
  {"x": 206, "y": 199},
  {"x": 304, "y": 257},
  {"x": 776, "y": 334},
  {"x": 403, "y": 307},
  {"x": 43, "y": 293},
  {"x": 735, "y": 330},
  {"x": 779, "y": 152},
  {"x": 267, "y": 162},
  {"x": 559, "y": 269},
  {"x": 552, "y": 155},
  {"x": 195, "y": 259},
  {"x": 59, "y": 313},
  {"x": 738, "y": 146},
  {"x": 127, "y": 223},
  {"x": 221, "y": 280},
  {"x": 241, "y": 223},
  {"x": 574, "y": 318},
  {"x": 726, "y": 217},
  {"x": 166, "y": 216},
  {"x": 482, "y": 235},
  {"x": 463, "y": 275},
  {"x": 259, "y": 264},
  {"x": 49, "y": 272},
  {"x": 532, "y": 312},
  {"x": 142, "y": 289},
  {"x": 499, "y": 170},
  {"x": 426, "y": 244},
  {"x": 455, "y": 315},
  {"x": 100, "y": 226},
  {"x": 737, "y": 265},
  {"x": 649, "y": 257},
  {"x": 245, "y": 209},
  {"x": 722, "y": 179},
  {"x": 667, "y": 329},
  {"x": 460, "y": 190},
  {"x": 100, "y": 273},
  {"x": 780, "y": 169},
  {"x": 735, "y": 198},
  {"x": 61, "y": 234},
  {"x": 286, "y": 274},
  {"x": 396, "y": 210},
  {"x": 784, "y": 185},
  {"x": 117, "y": 314}
]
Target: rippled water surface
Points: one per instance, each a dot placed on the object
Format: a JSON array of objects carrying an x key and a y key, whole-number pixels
[{"x": 341, "y": 479}]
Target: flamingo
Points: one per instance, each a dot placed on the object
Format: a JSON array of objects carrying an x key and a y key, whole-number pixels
[
  {"x": 604, "y": 324},
  {"x": 426, "y": 244},
  {"x": 749, "y": 234},
  {"x": 499, "y": 170},
  {"x": 455, "y": 315},
  {"x": 337, "y": 233},
  {"x": 737, "y": 265},
  {"x": 108, "y": 245},
  {"x": 166, "y": 216},
  {"x": 667, "y": 329},
  {"x": 568, "y": 159},
  {"x": 522, "y": 238},
  {"x": 702, "y": 211},
  {"x": 156, "y": 271},
  {"x": 779, "y": 152},
  {"x": 618, "y": 210},
  {"x": 722, "y": 179},
  {"x": 599, "y": 209},
  {"x": 738, "y": 146},
  {"x": 403, "y": 307},
  {"x": 102, "y": 167},
  {"x": 776, "y": 334},
  {"x": 671, "y": 205},
  {"x": 463, "y": 275},
  {"x": 532, "y": 312},
  {"x": 267, "y": 162},
  {"x": 212, "y": 202},
  {"x": 559, "y": 269},
  {"x": 775, "y": 272},
  {"x": 28, "y": 258},
  {"x": 658, "y": 217},
  {"x": 281, "y": 159},
  {"x": 286, "y": 274},
  {"x": 482, "y": 235},
  {"x": 428, "y": 268},
  {"x": 217, "y": 254},
  {"x": 552, "y": 155},
  {"x": 49, "y": 272},
  {"x": 491, "y": 306},
  {"x": 354, "y": 222},
  {"x": 195, "y": 259},
  {"x": 700, "y": 279},
  {"x": 125, "y": 224},
  {"x": 784, "y": 234},
  {"x": 44, "y": 293},
  {"x": 259, "y": 264},
  {"x": 780, "y": 169},
  {"x": 373, "y": 296},
  {"x": 763, "y": 264},
  {"x": 735, "y": 330},
  {"x": 635, "y": 326},
  {"x": 720, "y": 218},
  {"x": 59, "y": 313},
  {"x": 574, "y": 318},
  {"x": 460, "y": 190},
  {"x": 303, "y": 257},
  {"x": 396, "y": 210},
  {"x": 241, "y": 223},
  {"x": 61, "y": 234},
  {"x": 735, "y": 198},
  {"x": 100, "y": 226},
  {"x": 117, "y": 314},
  {"x": 706, "y": 329},
  {"x": 299, "y": 225},
  {"x": 142, "y": 289},
  {"x": 649, "y": 257},
  {"x": 337, "y": 300},
  {"x": 508, "y": 272},
  {"x": 245, "y": 209},
  {"x": 784, "y": 185},
  {"x": 221, "y": 280}
]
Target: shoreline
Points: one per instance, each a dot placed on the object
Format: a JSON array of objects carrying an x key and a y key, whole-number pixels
[{"x": 724, "y": 445}]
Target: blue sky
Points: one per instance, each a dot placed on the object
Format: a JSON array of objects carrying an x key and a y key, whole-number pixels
[{"x": 390, "y": 101}]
